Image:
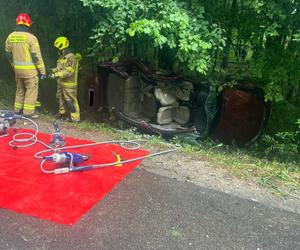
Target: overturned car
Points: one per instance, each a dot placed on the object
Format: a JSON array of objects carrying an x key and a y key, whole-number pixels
[{"x": 167, "y": 105}]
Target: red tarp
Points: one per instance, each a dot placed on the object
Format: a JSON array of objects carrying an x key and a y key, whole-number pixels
[{"x": 58, "y": 198}]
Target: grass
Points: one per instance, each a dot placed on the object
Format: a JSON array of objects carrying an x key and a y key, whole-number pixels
[{"x": 280, "y": 178}]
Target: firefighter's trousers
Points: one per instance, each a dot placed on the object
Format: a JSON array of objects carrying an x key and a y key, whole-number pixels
[
  {"x": 67, "y": 100},
  {"x": 26, "y": 95}
]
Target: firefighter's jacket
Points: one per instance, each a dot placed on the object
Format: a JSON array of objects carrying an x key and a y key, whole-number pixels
[
  {"x": 66, "y": 71},
  {"x": 23, "y": 51}
]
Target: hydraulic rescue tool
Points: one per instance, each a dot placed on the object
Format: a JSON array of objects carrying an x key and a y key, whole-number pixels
[
  {"x": 68, "y": 161},
  {"x": 7, "y": 120},
  {"x": 57, "y": 138},
  {"x": 67, "y": 158},
  {"x": 72, "y": 162}
]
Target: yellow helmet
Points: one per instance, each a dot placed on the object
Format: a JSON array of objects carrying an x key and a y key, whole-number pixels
[{"x": 61, "y": 43}]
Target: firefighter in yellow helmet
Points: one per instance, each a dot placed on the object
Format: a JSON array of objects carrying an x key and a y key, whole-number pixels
[
  {"x": 66, "y": 74},
  {"x": 23, "y": 51}
]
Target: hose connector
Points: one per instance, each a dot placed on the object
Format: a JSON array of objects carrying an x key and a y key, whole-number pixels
[
  {"x": 81, "y": 168},
  {"x": 61, "y": 170}
]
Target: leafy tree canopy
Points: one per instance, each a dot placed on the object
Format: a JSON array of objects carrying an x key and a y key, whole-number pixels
[
  {"x": 249, "y": 39},
  {"x": 129, "y": 27},
  {"x": 243, "y": 39}
]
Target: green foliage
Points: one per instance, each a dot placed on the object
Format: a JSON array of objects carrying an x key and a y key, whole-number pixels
[
  {"x": 264, "y": 39},
  {"x": 283, "y": 146},
  {"x": 261, "y": 36},
  {"x": 281, "y": 140},
  {"x": 283, "y": 117},
  {"x": 127, "y": 27}
]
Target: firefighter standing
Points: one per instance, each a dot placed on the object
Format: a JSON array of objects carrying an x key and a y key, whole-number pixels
[
  {"x": 23, "y": 52},
  {"x": 66, "y": 74}
]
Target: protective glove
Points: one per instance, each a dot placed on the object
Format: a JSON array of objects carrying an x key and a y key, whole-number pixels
[
  {"x": 52, "y": 76},
  {"x": 43, "y": 76}
]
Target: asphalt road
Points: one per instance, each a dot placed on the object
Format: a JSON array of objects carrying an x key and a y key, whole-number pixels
[{"x": 148, "y": 211}]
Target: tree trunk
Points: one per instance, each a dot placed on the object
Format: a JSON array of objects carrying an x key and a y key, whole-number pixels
[{"x": 233, "y": 14}]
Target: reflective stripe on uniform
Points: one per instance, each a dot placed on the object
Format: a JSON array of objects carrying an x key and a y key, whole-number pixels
[
  {"x": 68, "y": 84},
  {"x": 29, "y": 107},
  {"x": 24, "y": 65},
  {"x": 17, "y": 39},
  {"x": 18, "y": 105},
  {"x": 75, "y": 117},
  {"x": 70, "y": 69}
]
